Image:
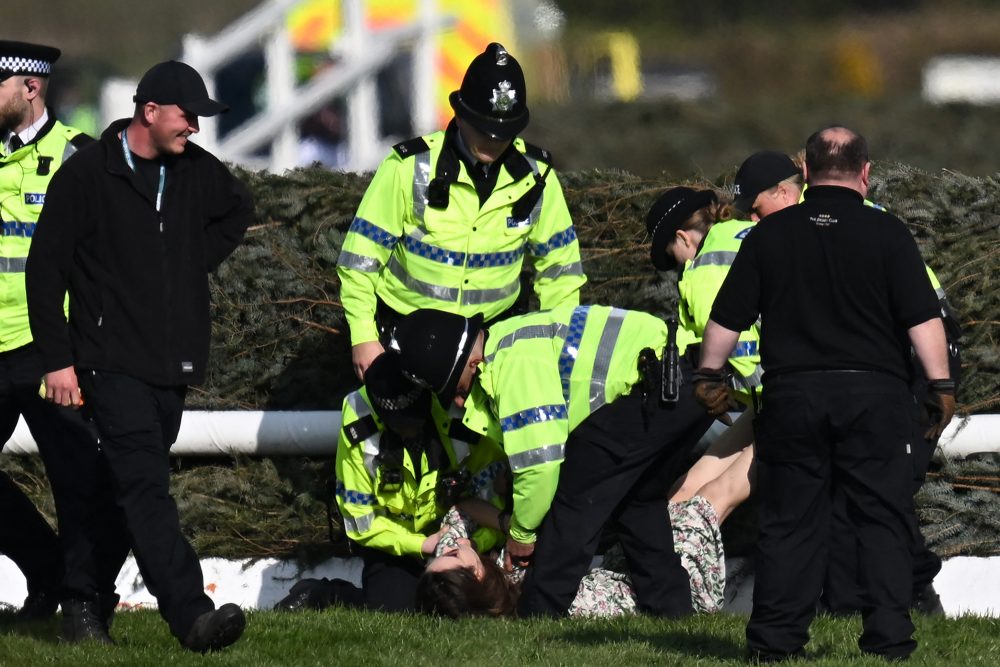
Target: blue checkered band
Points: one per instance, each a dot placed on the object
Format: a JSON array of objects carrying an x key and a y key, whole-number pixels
[
  {"x": 745, "y": 348},
  {"x": 482, "y": 481},
  {"x": 536, "y": 415},
  {"x": 567, "y": 357},
  {"x": 376, "y": 234},
  {"x": 18, "y": 65},
  {"x": 483, "y": 260},
  {"x": 25, "y": 229},
  {"x": 355, "y": 497},
  {"x": 558, "y": 240},
  {"x": 433, "y": 252}
]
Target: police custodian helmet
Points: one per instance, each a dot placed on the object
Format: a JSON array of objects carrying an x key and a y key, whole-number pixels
[{"x": 493, "y": 98}]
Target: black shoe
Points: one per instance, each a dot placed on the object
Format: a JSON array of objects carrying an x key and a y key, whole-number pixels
[
  {"x": 928, "y": 602},
  {"x": 82, "y": 622},
  {"x": 216, "y": 630},
  {"x": 308, "y": 594},
  {"x": 38, "y": 606},
  {"x": 756, "y": 657},
  {"x": 108, "y": 604}
]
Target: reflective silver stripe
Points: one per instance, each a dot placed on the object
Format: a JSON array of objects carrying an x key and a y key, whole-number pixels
[
  {"x": 421, "y": 179},
  {"x": 439, "y": 292},
  {"x": 478, "y": 296},
  {"x": 461, "y": 449},
  {"x": 360, "y": 524},
  {"x": 12, "y": 264},
  {"x": 605, "y": 348},
  {"x": 533, "y": 457},
  {"x": 349, "y": 260},
  {"x": 536, "y": 211},
  {"x": 755, "y": 379},
  {"x": 370, "y": 445},
  {"x": 717, "y": 258},
  {"x": 574, "y": 269},
  {"x": 551, "y": 330},
  {"x": 940, "y": 293},
  {"x": 69, "y": 150}
]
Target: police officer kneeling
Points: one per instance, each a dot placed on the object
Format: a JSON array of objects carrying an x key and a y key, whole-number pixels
[{"x": 839, "y": 287}]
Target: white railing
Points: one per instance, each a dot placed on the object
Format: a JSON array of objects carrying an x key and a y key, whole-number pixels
[{"x": 358, "y": 56}]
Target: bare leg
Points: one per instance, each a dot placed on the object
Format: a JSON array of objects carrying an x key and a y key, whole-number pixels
[
  {"x": 732, "y": 487},
  {"x": 717, "y": 458}
]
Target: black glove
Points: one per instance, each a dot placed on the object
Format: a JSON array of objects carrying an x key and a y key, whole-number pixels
[
  {"x": 713, "y": 391},
  {"x": 940, "y": 404}
]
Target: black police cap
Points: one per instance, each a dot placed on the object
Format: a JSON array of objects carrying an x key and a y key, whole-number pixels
[
  {"x": 400, "y": 403},
  {"x": 667, "y": 215},
  {"x": 23, "y": 58},
  {"x": 493, "y": 97}
]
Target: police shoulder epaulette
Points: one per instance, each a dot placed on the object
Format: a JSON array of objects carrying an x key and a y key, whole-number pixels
[
  {"x": 459, "y": 431},
  {"x": 80, "y": 140},
  {"x": 360, "y": 430},
  {"x": 537, "y": 152},
  {"x": 411, "y": 147}
]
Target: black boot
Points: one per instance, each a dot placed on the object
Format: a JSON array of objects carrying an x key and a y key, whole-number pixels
[
  {"x": 217, "y": 629},
  {"x": 38, "y": 606},
  {"x": 82, "y": 622},
  {"x": 928, "y": 602},
  {"x": 308, "y": 594},
  {"x": 107, "y": 605}
]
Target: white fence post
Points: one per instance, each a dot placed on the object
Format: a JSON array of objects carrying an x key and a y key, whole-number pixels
[
  {"x": 279, "y": 57},
  {"x": 362, "y": 102}
]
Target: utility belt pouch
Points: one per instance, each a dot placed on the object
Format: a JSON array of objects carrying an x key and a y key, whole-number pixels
[{"x": 670, "y": 375}]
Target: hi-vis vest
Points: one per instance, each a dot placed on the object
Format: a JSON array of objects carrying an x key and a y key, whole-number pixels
[
  {"x": 397, "y": 518},
  {"x": 699, "y": 284},
  {"x": 24, "y": 180},
  {"x": 543, "y": 374},
  {"x": 415, "y": 244}
]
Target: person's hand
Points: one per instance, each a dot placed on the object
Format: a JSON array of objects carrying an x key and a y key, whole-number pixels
[
  {"x": 712, "y": 390},
  {"x": 62, "y": 388},
  {"x": 517, "y": 553},
  {"x": 940, "y": 404},
  {"x": 362, "y": 356},
  {"x": 430, "y": 544}
]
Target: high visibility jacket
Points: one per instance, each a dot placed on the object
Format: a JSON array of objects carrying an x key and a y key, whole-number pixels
[
  {"x": 543, "y": 374},
  {"x": 412, "y": 252},
  {"x": 24, "y": 180},
  {"x": 700, "y": 282},
  {"x": 398, "y": 516}
]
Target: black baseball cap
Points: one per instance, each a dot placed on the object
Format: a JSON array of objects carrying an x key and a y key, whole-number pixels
[
  {"x": 759, "y": 172},
  {"x": 24, "y": 58},
  {"x": 667, "y": 215},
  {"x": 493, "y": 98},
  {"x": 434, "y": 346},
  {"x": 174, "y": 82}
]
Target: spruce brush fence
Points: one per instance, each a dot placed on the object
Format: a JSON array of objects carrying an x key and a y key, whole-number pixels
[{"x": 280, "y": 342}]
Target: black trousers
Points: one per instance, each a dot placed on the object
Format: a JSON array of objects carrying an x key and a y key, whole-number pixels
[
  {"x": 619, "y": 463},
  {"x": 138, "y": 423},
  {"x": 818, "y": 435},
  {"x": 65, "y": 443}
]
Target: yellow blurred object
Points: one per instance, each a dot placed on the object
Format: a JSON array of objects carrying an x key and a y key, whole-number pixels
[
  {"x": 858, "y": 68},
  {"x": 622, "y": 52}
]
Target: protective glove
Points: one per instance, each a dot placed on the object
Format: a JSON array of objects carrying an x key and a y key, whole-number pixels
[
  {"x": 940, "y": 404},
  {"x": 713, "y": 391}
]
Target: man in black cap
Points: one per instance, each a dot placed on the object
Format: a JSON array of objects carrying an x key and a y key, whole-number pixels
[
  {"x": 33, "y": 145},
  {"x": 766, "y": 182},
  {"x": 449, "y": 217},
  {"x": 132, "y": 227}
]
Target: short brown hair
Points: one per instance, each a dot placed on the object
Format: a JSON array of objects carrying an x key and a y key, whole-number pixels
[{"x": 457, "y": 593}]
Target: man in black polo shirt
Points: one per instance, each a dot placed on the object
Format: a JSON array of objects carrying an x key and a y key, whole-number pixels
[{"x": 840, "y": 289}]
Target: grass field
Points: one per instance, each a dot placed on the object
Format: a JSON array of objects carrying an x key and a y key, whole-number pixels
[{"x": 342, "y": 637}]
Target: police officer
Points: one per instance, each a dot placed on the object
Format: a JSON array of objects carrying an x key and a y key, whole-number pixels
[
  {"x": 402, "y": 462},
  {"x": 769, "y": 181},
  {"x": 33, "y": 145},
  {"x": 838, "y": 286},
  {"x": 448, "y": 218},
  {"x": 586, "y": 434}
]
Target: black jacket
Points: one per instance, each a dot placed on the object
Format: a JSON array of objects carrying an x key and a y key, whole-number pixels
[{"x": 137, "y": 279}]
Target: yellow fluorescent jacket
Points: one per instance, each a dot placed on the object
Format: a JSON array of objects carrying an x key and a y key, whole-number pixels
[
  {"x": 24, "y": 180},
  {"x": 544, "y": 373},
  {"x": 398, "y": 520},
  {"x": 465, "y": 258}
]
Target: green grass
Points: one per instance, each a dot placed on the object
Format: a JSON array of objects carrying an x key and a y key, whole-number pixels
[{"x": 343, "y": 637}]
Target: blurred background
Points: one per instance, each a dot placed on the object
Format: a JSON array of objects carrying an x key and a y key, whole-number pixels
[{"x": 686, "y": 88}]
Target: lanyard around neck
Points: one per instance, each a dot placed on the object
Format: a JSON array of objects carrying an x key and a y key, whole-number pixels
[{"x": 131, "y": 165}]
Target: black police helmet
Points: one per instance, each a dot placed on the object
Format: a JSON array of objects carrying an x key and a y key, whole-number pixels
[
  {"x": 493, "y": 98},
  {"x": 401, "y": 404},
  {"x": 434, "y": 347}
]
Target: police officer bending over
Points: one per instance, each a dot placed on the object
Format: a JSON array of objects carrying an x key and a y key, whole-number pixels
[
  {"x": 448, "y": 218},
  {"x": 839, "y": 287}
]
